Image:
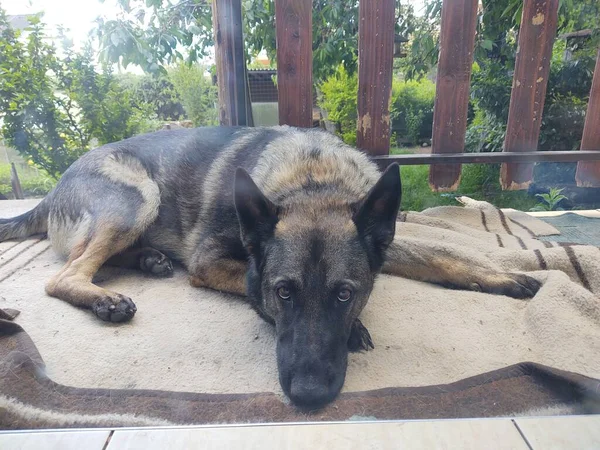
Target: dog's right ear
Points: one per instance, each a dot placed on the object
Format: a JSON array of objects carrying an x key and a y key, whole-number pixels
[{"x": 256, "y": 214}]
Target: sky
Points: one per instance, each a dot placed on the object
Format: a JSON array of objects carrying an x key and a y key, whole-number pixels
[{"x": 76, "y": 15}]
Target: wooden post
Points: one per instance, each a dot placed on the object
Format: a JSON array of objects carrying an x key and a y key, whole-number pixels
[
  {"x": 293, "y": 21},
  {"x": 15, "y": 183},
  {"x": 457, "y": 39},
  {"x": 375, "y": 58},
  {"x": 588, "y": 173},
  {"x": 534, "y": 52},
  {"x": 230, "y": 61}
]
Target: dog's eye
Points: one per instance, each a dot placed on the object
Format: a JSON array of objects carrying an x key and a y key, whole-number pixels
[
  {"x": 283, "y": 293},
  {"x": 344, "y": 295}
]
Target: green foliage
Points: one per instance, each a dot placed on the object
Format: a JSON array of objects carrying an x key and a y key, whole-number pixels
[
  {"x": 149, "y": 33},
  {"x": 412, "y": 109},
  {"x": 197, "y": 93},
  {"x": 35, "y": 183},
  {"x": 411, "y": 106},
  {"x": 478, "y": 181},
  {"x": 550, "y": 200},
  {"x": 338, "y": 99},
  {"x": 156, "y": 91},
  {"x": 153, "y": 33},
  {"x": 485, "y": 133},
  {"x": 51, "y": 108}
]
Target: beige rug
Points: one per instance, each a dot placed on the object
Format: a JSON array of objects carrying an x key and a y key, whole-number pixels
[{"x": 186, "y": 339}]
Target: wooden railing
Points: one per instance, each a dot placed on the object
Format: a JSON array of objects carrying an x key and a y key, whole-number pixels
[{"x": 293, "y": 21}]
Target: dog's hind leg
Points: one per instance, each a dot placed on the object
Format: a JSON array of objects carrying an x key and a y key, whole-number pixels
[
  {"x": 73, "y": 283},
  {"x": 447, "y": 266},
  {"x": 146, "y": 259},
  {"x": 104, "y": 225}
]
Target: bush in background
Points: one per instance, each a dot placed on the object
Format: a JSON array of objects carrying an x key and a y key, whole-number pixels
[
  {"x": 52, "y": 109},
  {"x": 35, "y": 182},
  {"x": 197, "y": 93},
  {"x": 339, "y": 102},
  {"x": 157, "y": 91},
  {"x": 411, "y": 109}
]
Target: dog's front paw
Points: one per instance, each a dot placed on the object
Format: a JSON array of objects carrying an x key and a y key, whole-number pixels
[
  {"x": 359, "y": 339},
  {"x": 515, "y": 285},
  {"x": 155, "y": 263},
  {"x": 117, "y": 308}
]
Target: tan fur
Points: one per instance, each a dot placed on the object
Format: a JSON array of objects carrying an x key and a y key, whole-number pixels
[
  {"x": 415, "y": 259},
  {"x": 89, "y": 245},
  {"x": 73, "y": 283},
  {"x": 226, "y": 275},
  {"x": 129, "y": 171},
  {"x": 283, "y": 165}
]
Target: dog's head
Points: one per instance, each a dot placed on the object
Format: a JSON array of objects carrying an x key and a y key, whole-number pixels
[{"x": 312, "y": 268}]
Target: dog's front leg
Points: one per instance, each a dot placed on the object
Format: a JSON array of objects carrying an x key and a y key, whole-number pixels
[
  {"x": 450, "y": 267},
  {"x": 221, "y": 274}
]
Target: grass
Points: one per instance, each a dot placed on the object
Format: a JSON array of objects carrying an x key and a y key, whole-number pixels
[
  {"x": 478, "y": 181},
  {"x": 34, "y": 182}
]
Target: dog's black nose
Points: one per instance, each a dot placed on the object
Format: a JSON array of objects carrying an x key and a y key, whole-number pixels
[{"x": 311, "y": 391}]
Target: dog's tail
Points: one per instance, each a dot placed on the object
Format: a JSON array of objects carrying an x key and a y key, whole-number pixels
[{"x": 31, "y": 222}]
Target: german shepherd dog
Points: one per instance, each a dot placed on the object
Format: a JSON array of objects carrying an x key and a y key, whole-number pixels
[{"x": 294, "y": 219}]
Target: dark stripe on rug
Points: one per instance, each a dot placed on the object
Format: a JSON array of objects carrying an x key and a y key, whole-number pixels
[
  {"x": 503, "y": 220},
  {"x": 548, "y": 244},
  {"x": 521, "y": 243},
  {"x": 577, "y": 266},
  {"x": 526, "y": 228},
  {"x": 484, "y": 221},
  {"x": 11, "y": 247},
  {"x": 500, "y": 243},
  {"x": 10, "y": 274},
  {"x": 541, "y": 260},
  {"x": 21, "y": 252}
]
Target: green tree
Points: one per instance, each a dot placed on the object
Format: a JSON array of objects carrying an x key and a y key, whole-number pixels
[
  {"x": 156, "y": 91},
  {"x": 150, "y": 33},
  {"x": 198, "y": 94},
  {"x": 52, "y": 108}
]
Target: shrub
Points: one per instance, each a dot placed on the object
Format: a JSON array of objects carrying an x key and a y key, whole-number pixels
[
  {"x": 197, "y": 93},
  {"x": 485, "y": 133},
  {"x": 412, "y": 109},
  {"x": 338, "y": 99},
  {"x": 157, "y": 91},
  {"x": 411, "y": 106},
  {"x": 51, "y": 107},
  {"x": 34, "y": 182}
]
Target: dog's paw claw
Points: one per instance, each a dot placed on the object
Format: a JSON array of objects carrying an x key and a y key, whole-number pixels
[
  {"x": 155, "y": 263},
  {"x": 114, "y": 309},
  {"x": 515, "y": 285},
  {"x": 359, "y": 339},
  {"x": 522, "y": 286}
]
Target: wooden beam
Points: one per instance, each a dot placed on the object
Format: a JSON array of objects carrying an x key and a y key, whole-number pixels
[
  {"x": 15, "y": 183},
  {"x": 588, "y": 173},
  {"x": 375, "y": 59},
  {"x": 293, "y": 21},
  {"x": 457, "y": 39},
  {"x": 487, "y": 158},
  {"x": 534, "y": 52},
  {"x": 230, "y": 61}
]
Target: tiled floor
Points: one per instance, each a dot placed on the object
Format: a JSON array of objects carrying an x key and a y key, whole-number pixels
[{"x": 574, "y": 432}]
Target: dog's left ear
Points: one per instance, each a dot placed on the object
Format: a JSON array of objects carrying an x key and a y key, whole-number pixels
[
  {"x": 256, "y": 214},
  {"x": 376, "y": 214}
]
